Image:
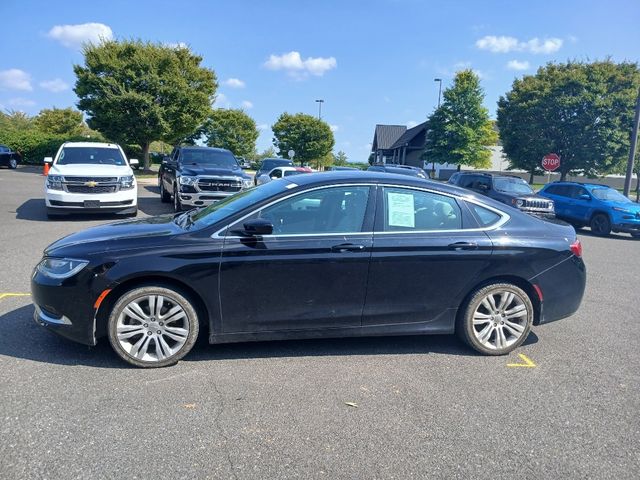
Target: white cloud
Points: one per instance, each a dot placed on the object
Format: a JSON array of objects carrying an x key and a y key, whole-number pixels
[
  {"x": 56, "y": 85},
  {"x": 15, "y": 79},
  {"x": 334, "y": 128},
  {"x": 73, "y": 36},
  {"x": 518, "y": 65},
  {"x": 21, "y": 102},
  {"x": 246, "y": 104},
  {"x": 504, "y": 44},
  {"x": 176, "y": 45},
  {"x": 296, "y": 66},
  {"x": 234, "y": 83}
]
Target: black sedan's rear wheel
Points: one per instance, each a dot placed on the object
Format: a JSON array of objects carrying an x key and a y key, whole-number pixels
[
  {"x": 600, "y": 225},
  {"x": 497, "y": 319},
  {"x": 13, "y": 163},
  {"x": 153, "y": 326}
]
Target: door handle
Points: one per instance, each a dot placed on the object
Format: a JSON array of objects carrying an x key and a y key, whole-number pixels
[
  {"x": 347, "y": 247},
  {"x": 463, "y": 246}
]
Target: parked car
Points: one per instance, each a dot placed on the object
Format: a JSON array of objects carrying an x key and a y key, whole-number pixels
[
  {"x": 243, "y": 162},
  {"x": 9, "y": 158},
  {"x": 269, "y": 164},
  {"x": 507, "y": 189},
  {"x": 398, "y": 170},
  {"x": 199, "y": 176},
  {"x": 281, "y": 172},
  {"x": 336, "y": 254},
  {"x": 600, "y": 207},
  {"x": 337, "y": 168},
  {"x": 90, "y": 177}
]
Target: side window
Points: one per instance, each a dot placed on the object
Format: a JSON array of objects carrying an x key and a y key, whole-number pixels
[
  {"x": 482, "y": 184},
  {"x": 577, "y": 191},
  {"x": 485, "y": 217},
  {"x": 276, "y": 174},
  {"x": 466, "y": 181},
  {"x": 327, "y": 210},
  {"x": 416, "y": 210},
  {"x": 552, "y": 190}
]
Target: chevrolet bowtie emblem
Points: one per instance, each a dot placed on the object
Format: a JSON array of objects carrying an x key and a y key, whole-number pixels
[{"x": 90, "y": 184}]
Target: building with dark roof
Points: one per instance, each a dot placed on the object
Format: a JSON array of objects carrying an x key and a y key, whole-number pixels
[{"x": 399, "y": 144}]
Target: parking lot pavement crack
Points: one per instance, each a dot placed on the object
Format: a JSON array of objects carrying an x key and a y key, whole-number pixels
[{"x": 216, "y": 421}]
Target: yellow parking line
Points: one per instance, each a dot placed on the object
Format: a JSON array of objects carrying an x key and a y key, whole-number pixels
[
  {"x": 528, "y": 363},
  {"x": 4, "y": 295}
]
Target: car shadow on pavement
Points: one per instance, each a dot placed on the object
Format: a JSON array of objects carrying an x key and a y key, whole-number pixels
[
  {"x": 612, "y": 236},
  {"x": 21, "y": 337}
]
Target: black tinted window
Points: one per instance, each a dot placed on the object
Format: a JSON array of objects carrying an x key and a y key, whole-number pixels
[{"x": 212, "y": 158}]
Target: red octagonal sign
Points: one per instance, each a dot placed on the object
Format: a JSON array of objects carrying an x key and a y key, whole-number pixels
[{"x": 551, "y": 162}]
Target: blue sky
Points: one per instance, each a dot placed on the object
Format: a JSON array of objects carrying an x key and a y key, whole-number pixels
[{"x": 371, "y": 61}]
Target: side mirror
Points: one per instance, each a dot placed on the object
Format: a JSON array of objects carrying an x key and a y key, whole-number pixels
[
  {"x": 258, "y": 226},
  {"x": 134, "y": 162},
  {"x": 584, "y": 196},
  {"x": 48, "y": 160}
]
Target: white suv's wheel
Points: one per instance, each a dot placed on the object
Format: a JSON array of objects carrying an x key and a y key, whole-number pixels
[{"x": 153, "y": 326}]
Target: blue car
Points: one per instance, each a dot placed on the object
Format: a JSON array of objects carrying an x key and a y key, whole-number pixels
[{"x": 600, "y": 207}]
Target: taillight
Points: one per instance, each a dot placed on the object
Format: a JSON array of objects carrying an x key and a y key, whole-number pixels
[{"x": 576, "y": 248}]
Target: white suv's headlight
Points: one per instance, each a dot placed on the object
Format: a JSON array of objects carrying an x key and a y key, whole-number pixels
[
  {"x": 126, "y": 183},
  {"x": 54, "y": 182},
  {"x": 61, "y": 267},
  {"x": 186, "y": 180}
]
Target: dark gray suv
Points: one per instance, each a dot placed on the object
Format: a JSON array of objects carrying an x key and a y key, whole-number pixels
[{"x": 507, "y": 189}]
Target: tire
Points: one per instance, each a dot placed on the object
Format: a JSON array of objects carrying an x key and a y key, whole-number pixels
[
  {"x": 135, "y": 320},
  {"x": 495, "y": 331},
  {"x": 13, "y": 164},
  {"x": 165, "y": 197},
  {"x": 600, "y": 225},
  {"x": 177, "y": 206}
]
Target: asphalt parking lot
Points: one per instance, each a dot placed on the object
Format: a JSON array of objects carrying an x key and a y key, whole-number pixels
[{"x": 401, "y": 407}]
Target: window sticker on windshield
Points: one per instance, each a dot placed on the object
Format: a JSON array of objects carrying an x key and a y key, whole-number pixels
[{"x": 401, "y": 210}]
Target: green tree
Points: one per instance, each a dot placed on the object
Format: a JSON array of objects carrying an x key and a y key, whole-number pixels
[
  {"x": 311, "y": 138},
  {"x": 581, "y": 111},
  {"x": 340, "y": 159},
  {"x": 136, "y": 92},
  {"x": 233, "y": 130},
  {"x": 14, "y": 120},
  {"x": 460, "y": 129},
  {"x": 60, "y": 121}
]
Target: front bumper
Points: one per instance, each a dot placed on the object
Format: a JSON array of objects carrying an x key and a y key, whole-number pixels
[
  {"x": 61, "y": 201},
  {"x": 203, "y": 198},
  {"x": 627, "y": 226}
]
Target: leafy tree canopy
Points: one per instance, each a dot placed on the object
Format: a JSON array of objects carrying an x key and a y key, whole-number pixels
[
  {"x": 233, "y": 130},
  {"x": 311, "y": 138},
  {"x": 60, "y": 121},
  {"x": 460, "y": 129},
  {"x": 137, "y": 92},
  {"x": 581, "y": 111}
]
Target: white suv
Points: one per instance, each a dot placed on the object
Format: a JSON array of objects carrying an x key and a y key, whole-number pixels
[{"x": 87, "y": 177}]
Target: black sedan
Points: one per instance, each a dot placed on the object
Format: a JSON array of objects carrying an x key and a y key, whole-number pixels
[
  {"x": 9, "y": 158},
  {"x": 334, "y": 254}
]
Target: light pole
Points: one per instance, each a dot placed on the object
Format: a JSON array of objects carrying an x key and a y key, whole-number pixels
[
  {"x": 320, "y": 102},
  {"x": 439, "y": 80}
]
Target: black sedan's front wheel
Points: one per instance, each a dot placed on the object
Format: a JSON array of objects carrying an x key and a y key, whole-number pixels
[
  {"x": 497, "y": 319},
  {"x": 153, "y": 326}
]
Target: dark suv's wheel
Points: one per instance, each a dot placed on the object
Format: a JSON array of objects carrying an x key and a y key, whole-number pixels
[
  {"x": 153, "y": 326},
  {"x": 600, "y": 224},
  {"x": 177, "y": 206},
  {"x": 496, "y": 319},
  {"x": 165, "y": 197}
]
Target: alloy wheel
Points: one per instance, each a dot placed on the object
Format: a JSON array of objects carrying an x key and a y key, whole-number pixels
[
  {"x": 13, "y": 163},
  {"x": 500, "y": 319},
  {"x": 153, "y": 328}
]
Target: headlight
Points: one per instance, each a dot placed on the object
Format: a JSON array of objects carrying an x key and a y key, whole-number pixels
[
  {"x": 54, "y": 182},
  {"x": 186, "y": 180},
  {"x": 518, "y": 202},
  {"x": 126, "y": 183},
  {"x": 60, "y": 267},
  {"x": 247, "y": 183},
  {"x": 620, "y": 209}
]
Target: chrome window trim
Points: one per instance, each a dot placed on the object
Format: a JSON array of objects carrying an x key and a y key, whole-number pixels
[{"x": 504, "y": 217}]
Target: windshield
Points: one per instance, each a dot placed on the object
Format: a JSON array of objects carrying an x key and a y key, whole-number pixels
[
  {"x": 231, "y": 205},
  {"x": 609, "y": 194},
  {"x": 211, "y": 158},
  {"x": 90, "y": 155},
  {"x": 512, "y": 185},
  {"x": 271, "y": 164}
]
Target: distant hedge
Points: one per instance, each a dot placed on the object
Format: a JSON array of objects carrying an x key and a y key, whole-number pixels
[{"x": 33, "y": 145}]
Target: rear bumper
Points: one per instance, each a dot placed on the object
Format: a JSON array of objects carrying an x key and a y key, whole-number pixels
[{"x": 562, "y": 289}]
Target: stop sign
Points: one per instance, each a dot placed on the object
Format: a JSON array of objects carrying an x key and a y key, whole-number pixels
[{"x": 551, "y": 162}]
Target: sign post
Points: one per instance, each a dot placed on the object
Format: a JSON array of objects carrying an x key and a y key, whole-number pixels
[{"x": 550, "y": 162}]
